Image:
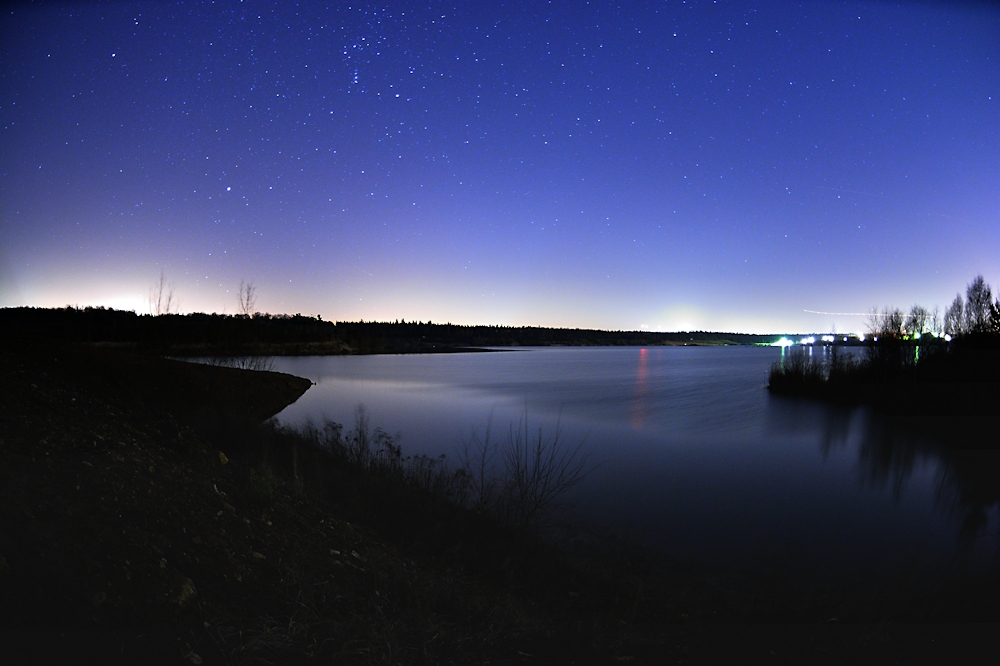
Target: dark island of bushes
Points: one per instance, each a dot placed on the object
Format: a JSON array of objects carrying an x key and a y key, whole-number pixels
[{"x": 905, "y": 365}]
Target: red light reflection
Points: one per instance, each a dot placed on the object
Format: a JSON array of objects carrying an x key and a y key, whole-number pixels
[{"x": 640, "y": 398}]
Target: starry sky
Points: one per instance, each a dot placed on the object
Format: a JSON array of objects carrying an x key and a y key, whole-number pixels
[{"x": 628, "y": 165}]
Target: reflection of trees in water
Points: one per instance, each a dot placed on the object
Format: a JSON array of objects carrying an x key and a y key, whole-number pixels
[
  {"x": 968, "y": 480},
  {"x": 888, "y": 455},
  {"x": 891, "y": 449},
  {"x": 975, "y": 477},
  {"x": 835, "y": 429},
  {"x": 793, "y": 416}
]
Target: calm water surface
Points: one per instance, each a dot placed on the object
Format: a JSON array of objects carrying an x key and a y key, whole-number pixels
[{"x": 695, "y": 457}]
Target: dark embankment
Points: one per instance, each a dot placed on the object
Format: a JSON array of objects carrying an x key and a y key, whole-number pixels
[{"x": 145, "y": 517}]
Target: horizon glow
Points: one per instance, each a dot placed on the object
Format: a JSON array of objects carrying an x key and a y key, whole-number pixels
[{"x": 640, "y": 166}]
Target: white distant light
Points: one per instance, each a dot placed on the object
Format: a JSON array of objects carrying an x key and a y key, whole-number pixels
[
  {"x": 861, "y": 337},
  {"x": 807, "y": 340},
  {"x": 783, "y": 342},
  {"x": 947, "y": 337},
  {"x": 828, "y": 338}
]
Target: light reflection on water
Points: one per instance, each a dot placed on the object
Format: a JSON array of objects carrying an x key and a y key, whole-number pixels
[{"x": 695, "y": 456}]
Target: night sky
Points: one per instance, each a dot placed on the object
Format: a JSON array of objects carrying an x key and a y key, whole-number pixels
[{"x": 657, "y": 165}]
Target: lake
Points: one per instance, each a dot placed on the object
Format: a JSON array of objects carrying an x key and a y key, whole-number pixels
[{"x": 694, "y": 458}]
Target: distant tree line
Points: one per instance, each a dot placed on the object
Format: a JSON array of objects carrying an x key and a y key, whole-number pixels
[
  {"x": 250, "y": 332},
  {"x": 232, "y": 333},
  {"x": 394, "y": 333},
  {"x": 124, "y": 326}
]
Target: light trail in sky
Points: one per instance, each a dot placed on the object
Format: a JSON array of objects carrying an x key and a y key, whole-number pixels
[{"x": 849, "y": 314}]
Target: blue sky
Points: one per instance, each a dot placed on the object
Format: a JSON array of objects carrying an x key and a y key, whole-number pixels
[{"x": 659, "y": 165}]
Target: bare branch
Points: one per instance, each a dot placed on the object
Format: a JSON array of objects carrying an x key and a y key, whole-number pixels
[
  {"x": 247, "y": 299},
  {"x": 161, "y": 297},
  {"x": 533, "y": 472}
]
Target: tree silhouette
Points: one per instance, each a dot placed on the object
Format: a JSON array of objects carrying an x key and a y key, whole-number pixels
[
  {"x": 917, "y": 321},
  {"x": 954, "y": 319},
  {"x": 978, "y": 306},
  {"x": 161, "y": 297},
  {"x": 247, "y": 298}
]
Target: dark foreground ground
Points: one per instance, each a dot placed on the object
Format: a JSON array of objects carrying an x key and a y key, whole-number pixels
[{"x": 146, "y": 518}]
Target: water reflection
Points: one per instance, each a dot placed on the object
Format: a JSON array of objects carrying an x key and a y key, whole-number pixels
[
  {"x": 890, "y": 450},
  {"x": 832, "y": 423},
  {"x": 640, "y": 399},
  {"x": 973, "y": 475},
  {"x": 694, "y": 452}
]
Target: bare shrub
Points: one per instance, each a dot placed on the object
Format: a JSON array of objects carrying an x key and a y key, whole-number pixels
[
  {"x": 245, "y": 362},
  {"x": 918, "y": 321},
  {"x": 376, "y": 451},
  {"x": 840, "y": 366},
  {"x": 479, "y": 460},
  {"x": 797, "y": 369},
  {"x": 886, "y": 354},
  {"x": 538, "y": 469},
  {"x": 937, "y": 325},
  {"x": 255, "y": 363},
  {"x": 434, "y": 475},
  {"x": 247, "y": 299},
  {"x": 516, "y": 480},
  {"x": 522, "y": 477},
  {"x": 161, "y": 297},
  {"x": 890, "y": 323},
  {"x": 329, "y": 438}
]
